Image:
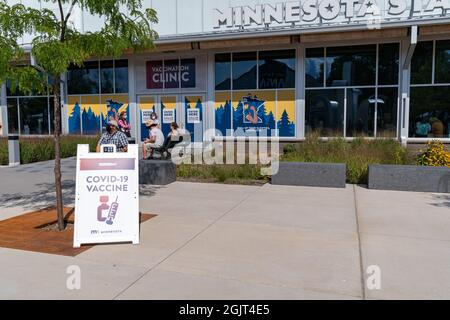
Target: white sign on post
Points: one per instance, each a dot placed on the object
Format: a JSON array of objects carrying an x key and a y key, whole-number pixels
[{"x": 107, "y": 197}]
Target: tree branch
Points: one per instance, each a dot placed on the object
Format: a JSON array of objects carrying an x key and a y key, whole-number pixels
[{"x": 70, "y": 11}]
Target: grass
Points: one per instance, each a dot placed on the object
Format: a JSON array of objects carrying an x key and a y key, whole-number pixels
[
  {"x": 43, "y": 148},
  {"x": 222, "y": 173},
  {"x": 357, "y": 155}
]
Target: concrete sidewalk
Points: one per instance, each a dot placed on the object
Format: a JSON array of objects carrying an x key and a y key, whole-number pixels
[{"x": 212, "y": 241}]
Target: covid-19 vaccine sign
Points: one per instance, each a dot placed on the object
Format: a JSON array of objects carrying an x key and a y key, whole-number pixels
[{"x": 107, "y": 197}]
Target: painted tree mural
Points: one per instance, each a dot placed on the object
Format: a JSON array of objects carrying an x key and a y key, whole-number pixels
[{"x": 75, "y": 120}]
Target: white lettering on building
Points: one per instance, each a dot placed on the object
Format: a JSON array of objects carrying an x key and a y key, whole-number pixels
[{"x": 325, "y": 11}]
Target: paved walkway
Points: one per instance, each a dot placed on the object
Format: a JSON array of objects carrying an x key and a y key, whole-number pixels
[{"x": 212, "y": 241}]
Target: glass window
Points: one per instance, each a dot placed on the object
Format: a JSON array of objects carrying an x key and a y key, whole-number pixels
[
  {"x": 121, "y": 73},
  {"x": 223, "y": 71},
  {"x": 107, "y": 76},
  {"x": 421, "y": 63},
  {"x": 325, "y": 112},
  {"x": 442, "y": 67},
  {"x": 277, "y": 69},
  {"x": 244, "y": 70},
  {"x": 83, "y": 80},
  {"x": 13, "y": 117},
  {"x": 388, "y": 63},
  {"x": 387, "y": 108},
  {"x": 33, "y": 115},
  {"x": 351, "y": 66},
  {"x": 429, "y": 115},
  {"x": 315, "y": 67},
  {"x": 360, "y": 112}
]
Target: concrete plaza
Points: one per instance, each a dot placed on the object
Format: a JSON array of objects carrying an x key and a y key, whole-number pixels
[{"x": 212, "y": 241}]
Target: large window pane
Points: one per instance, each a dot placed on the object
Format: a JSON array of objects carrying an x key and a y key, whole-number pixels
[
  {"x": 121, "y": 70},
  {"x": 388, "y": 63},
  {"x": 107, "y": 76},
  {"x": 83, "y": 80},
  {"x": 244, "y": 70},
  {"x": 429, "y": 115},
  {"x": 13, "y": 118},
  {"x": 325, "y": 112},
  {"x": 33, "y": 115},
  {"x": 351, "y": 66},
  {"x": 442, "y": 68},
  {"x": 315, "y": 67},
  {"x": 223, "y": 71},
  {"x": 277, "y": 69},
  {"x": 421, "y": 63},
  {"x": 387, "y": 108},
  {"x": 360, "y": 112}
]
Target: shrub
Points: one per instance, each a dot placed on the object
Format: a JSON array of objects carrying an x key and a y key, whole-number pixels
[
  {"x": 3, "y": 152},
  {"x": 357, "y": 155},
  {"x": 42, "y": 149},
  {"x": 436, "y": 155}
]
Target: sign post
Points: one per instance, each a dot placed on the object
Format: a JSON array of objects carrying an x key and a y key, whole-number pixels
[{"x": 107, "y": 197}]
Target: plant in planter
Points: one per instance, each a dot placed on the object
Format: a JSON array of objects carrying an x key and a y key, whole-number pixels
[{"x": 436, "y": 155}]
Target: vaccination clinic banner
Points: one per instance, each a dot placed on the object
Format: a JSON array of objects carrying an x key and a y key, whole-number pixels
[{"x": 107, "y": 197}]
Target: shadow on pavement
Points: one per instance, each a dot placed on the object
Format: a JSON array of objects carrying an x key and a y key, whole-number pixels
[{"x": 442, "y": 200}]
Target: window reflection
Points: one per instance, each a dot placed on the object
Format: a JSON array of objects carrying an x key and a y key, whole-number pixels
[
  {"x": 277, "y": 69},
  {"x": 13, "y": 117},
  {"x": 107, "y": 76},
  {"x": 387, "y": 107},
  {"x": 325, "y": 112},
  {"x": 442, "y": 62},
  {"x": 388, "y": 62},
  {"x": 430, "y": 112},
  {"x": 83, "y": 80},
  {"x": 360, "y": 112},
  {"x": 244, "y": 70},
  {"x": 315, "y": 65},
  {"x": 351, "y": 66},
  {"x": 223, "y": 71},
  {"x": 33, "y": 115},
  {"x": 121, "y": 76},
  {"x": 421, "y": 63}
]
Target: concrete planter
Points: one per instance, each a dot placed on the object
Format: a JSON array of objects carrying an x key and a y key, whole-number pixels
[
  {"x": 157, "y": 172},
  {"x": 329, "y": 175},
  {"x": 409, "y": 178}
]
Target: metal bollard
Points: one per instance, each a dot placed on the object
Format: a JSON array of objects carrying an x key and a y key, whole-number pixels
[{"x": 13, "y": 150}]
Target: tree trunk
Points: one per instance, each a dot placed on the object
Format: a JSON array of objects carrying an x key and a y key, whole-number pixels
[{"x": 57, "y": 170}]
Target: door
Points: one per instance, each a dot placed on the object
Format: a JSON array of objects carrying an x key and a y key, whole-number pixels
[
  {"x": 186, "y": 110},
  {"x": 193, "y": 109}
]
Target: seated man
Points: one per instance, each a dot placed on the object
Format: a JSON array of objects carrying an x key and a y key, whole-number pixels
[
  {"x": 155, "y": 140},
  {"x": 113, "y": 136}
]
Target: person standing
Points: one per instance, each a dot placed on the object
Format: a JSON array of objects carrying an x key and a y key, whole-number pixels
[
  {"x": 113, "y": 136},
  {"x": 124, "y": 126}
]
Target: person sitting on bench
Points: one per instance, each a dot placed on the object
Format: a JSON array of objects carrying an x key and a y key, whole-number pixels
[{"x": 155, "y": 141}]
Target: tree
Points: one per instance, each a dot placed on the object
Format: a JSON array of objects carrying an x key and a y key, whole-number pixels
[{"x": 57, "y": 44}]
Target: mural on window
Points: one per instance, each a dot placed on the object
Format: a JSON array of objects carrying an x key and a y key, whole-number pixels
[
  {"x": 193, "y": 108},
  {"x": 147, "y": 108},
  {"x": 223, "y": 112},
  {"x": 114, "y": 107},
  {"x": 89, "y": 114},
  {"x": 256, "y": 112}
]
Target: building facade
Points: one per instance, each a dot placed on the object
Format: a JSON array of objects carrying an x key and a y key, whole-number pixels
[{"x": 342, "y": 68}]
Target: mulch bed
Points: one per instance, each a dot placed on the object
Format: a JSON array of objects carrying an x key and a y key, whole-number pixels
[{"x": 37, "y": 231}]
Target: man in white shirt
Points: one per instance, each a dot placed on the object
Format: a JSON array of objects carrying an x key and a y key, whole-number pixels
[{"x": 156, "y": 139}]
